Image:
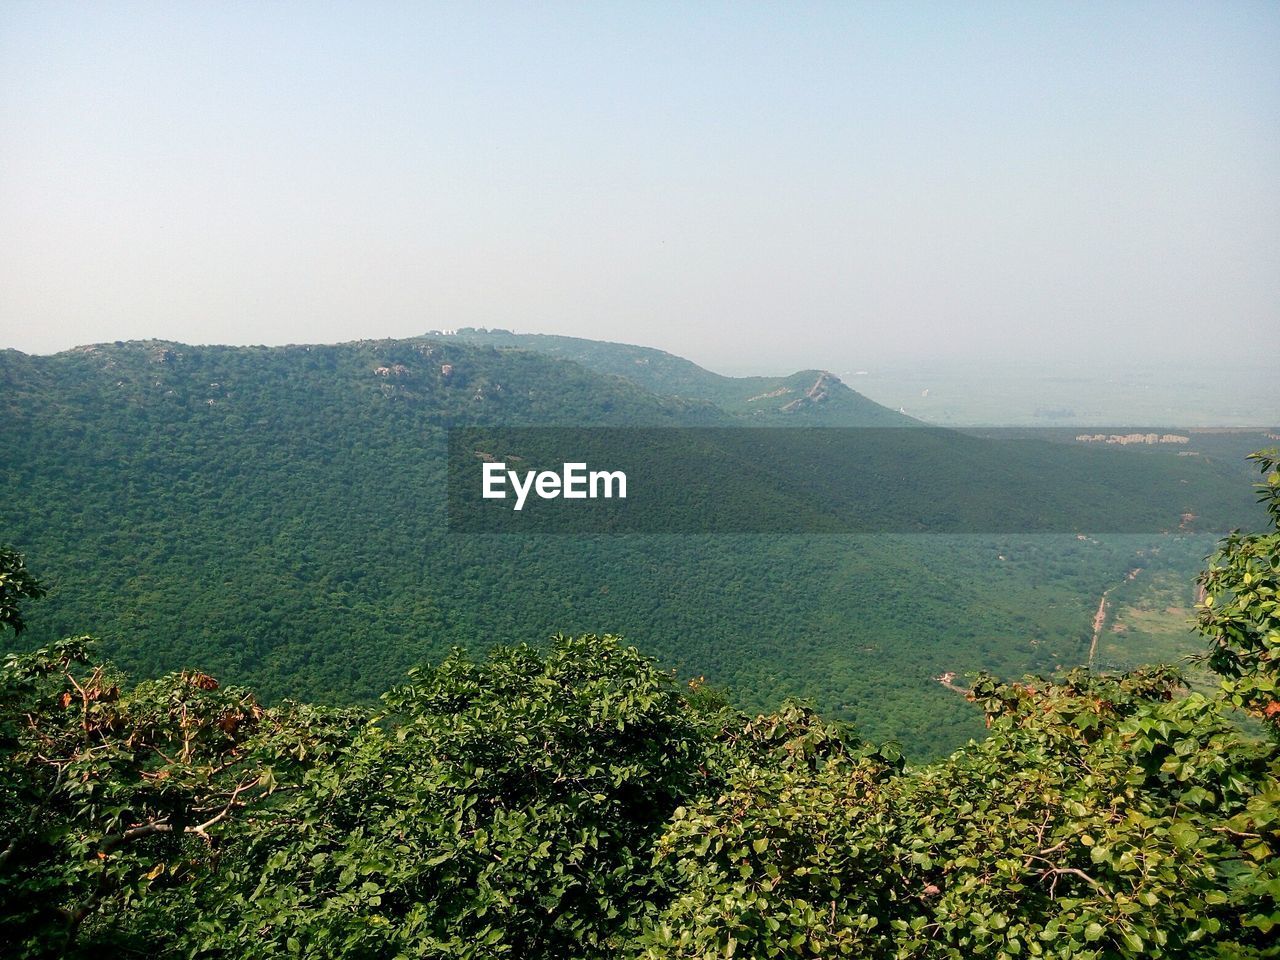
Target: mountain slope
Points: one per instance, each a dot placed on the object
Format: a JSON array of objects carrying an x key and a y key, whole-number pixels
[
  {"x": 805, "y": 398},
  {"x": 448, "y": 381}
]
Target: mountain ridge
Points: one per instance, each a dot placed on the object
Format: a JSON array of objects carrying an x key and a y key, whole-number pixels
[
  {"x": 819, "y": 396},
  {"x": 810, "y": 397}
]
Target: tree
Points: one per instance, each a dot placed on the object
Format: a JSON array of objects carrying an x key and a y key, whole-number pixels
[
  {"x": 115, "y": 801},
  {"x": 16, "y": 584},
  {"x": 1241, "y": 610}
]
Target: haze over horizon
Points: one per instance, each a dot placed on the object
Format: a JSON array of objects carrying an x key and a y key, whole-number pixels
[{"x": 754, "y": 188}]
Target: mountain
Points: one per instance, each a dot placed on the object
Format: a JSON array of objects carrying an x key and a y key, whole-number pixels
[
  {"x": 278, "y": 516},
  {"x": 446, "y": 381},
  {"x": 808, "y": 397}
]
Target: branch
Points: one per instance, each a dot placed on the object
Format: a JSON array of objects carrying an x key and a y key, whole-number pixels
[
  {"x": 1238, "y": 833},
  {"x": 164, "y": 825},
  {"x": 7, "y": 852},
  {"x": 109, "y": 843},
  {"x": 240, "y": 788},
  {"x": 1055, "y": 872},
  {"x": 1052, "y": 870}
]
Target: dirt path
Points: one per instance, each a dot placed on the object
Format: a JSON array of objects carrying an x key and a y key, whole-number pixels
[
  {"x": 1099, "y": 621},
  {"x": 1100, "y": 618}
]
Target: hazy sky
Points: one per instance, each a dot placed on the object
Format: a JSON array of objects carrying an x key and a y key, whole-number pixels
[{"x": 751, "y": 185}]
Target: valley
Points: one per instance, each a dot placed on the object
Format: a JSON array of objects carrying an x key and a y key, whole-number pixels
[{"x": 275, "y": 515}]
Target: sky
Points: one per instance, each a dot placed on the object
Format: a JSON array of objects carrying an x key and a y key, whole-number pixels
[{"x": 754, "y": 186}]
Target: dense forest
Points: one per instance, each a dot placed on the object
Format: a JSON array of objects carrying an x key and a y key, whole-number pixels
[
  {"x": 277, "y": 515},
  {"x": 578, "y": 801}
]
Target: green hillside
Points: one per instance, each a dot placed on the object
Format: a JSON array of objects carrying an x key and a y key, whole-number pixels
[
  {"x": 808, "y": 397},
  {"x": 277, "y": 516}
]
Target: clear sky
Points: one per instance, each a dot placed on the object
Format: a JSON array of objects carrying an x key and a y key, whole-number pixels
[{"x": 756, "y": 186}]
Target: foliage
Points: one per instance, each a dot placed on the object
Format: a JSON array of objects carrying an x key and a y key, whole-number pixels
[
  {"x": 1241, "y": 610},
  {"x": 765, "y": 868},
  {"x": 1102, "y": 817},
  {"x": 16, "y": 585},
  {"x": 111, "y": 798},
  {"x": 576, "y": 803},
  {"x": 502, "y": 809}
]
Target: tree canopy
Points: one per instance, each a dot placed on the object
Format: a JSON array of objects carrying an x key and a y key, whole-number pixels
[{"x": 579, "y": 802}]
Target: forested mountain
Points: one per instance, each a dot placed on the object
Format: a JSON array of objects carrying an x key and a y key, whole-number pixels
[
  {"x": 277, "y": 516},
  {"x": 814, "y": 397}
]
